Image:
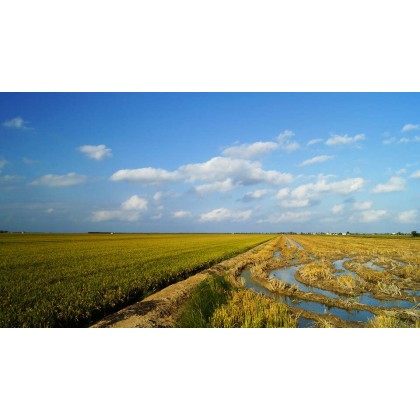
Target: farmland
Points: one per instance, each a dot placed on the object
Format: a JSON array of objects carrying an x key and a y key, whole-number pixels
[
  {"x": 340, "y": 281},
  {"x": 64, "y": 280}
]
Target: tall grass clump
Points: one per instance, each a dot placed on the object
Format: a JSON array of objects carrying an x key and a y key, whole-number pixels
[
  {"x": 246, "y": 309},
  {"x": 205, "y": 299}
]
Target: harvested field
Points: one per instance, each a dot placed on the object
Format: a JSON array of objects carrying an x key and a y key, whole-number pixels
[{"x": 346, "y": 281}]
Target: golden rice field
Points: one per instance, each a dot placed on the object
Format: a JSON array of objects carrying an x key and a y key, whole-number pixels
[{"x": 64, "y": 280}]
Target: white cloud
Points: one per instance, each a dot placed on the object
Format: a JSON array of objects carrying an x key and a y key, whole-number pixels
[
  {"x": 371, "y": 215},
  {"x": 316, "y": 159},
  {"x": 157, "y": 196},
  {"x": 67, "y": 180},
  {"x": 181, "y": 214},
  {"x": 17, "y": 122},
  {"x": 104, "y": 215},
  {"x": 130, "y": 211},
  {"x": 314, "y": 141},
  {"x": 95, "y": 152},
  {"x": 338, "y": 208},
  {"x": 255, "y": 195},
  {"x": 336, "y": 139},
  {"x": 149, "y": 176},
  {"x": 222, "y": 214},
  {"x": 249, "y": 151},
  {"x": 313, "y": 190},
  {"x": 290, "y": 217},
  {"x": 220, "y": 186},
  {"x": 401, "y": 171},
  {"x": 286, "y": 144},
  {"x": 409, "y": 216},
  {"x": 218, "y": 169},
  {"x": 135, "y": 203},
  {"x": 410, "y": 127},
  {"x": 294, "y": 203},
  {"x": 415, "y": 175},
  {"x": 157, "y": 216},
  {"x": 49, "y": 211},
  {"x": 241, "y": 171},
  {"x": 394, "y": 184},
  {"x": 363, "y": 205}
]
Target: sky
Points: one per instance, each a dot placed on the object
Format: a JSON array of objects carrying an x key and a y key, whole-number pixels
[{"x": 210, "y": 162}]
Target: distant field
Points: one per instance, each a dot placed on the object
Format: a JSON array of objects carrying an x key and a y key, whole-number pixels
[{"x": 71, "y": 280}]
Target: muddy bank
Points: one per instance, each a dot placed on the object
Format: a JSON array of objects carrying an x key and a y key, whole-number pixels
[{"x": 161, "y": 309}]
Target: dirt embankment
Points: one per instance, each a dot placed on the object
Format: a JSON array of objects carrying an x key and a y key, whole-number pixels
[{"x": 161, "y": 308}]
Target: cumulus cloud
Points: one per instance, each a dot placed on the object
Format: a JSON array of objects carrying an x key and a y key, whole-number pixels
[
  {"x": 135, "y": 203},
  {"x": 249, "y": 151},
  {"x": 371, "y": 215},
  {"x": 222, "y": 214},
  {"x": 395, "y": 183},
  {"x": 220, "y": 186},
  {"x": 285, "y": 143},
  {"x": 218, "y": 169},
  {"x": 181, "y": 214},
  {"x": 410, "y": 127},
  {"x": 409, "y": 216},
  {"x": 129, "y": 211},
  {"x": 67, "y": 180},
  {"x": 363, "y": 205},
  {"x": 337, "y": 209},
  {"x": 98, "y": 152},
  {"x": 17, "y": 122},
  {"x": 242, "y": 172},
  {"x": 299, "y": 202},
  {"x": 148, "y": 176},
  {"x": 105, "y": 215},
  {"x": 316, "y": 159},
  {"x": 322, "y": 186},
  {"x": 314, "y": 141},
  {"x": 346, "y": 139},
  {"x": 157, "y": 196},
  {"x": 290, "y": 217},
  {"x": 415, "y": 175},
  {"x": 255, "y": 195}
]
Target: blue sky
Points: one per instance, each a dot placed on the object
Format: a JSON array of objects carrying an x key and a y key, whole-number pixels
[{"x": 211, "y": 162}]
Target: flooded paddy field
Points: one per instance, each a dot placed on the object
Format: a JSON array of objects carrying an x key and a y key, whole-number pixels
[{"x": 351, "y": 281}]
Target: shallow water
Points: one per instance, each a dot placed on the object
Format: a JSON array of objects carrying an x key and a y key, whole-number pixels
[
  {"x": 373, "y": 266},
  {"x": 288, "y": 276},
  {"x": 299, "y": 246},
  {"x": 314, "y": 307},
  {"x": 339, "y": 266}
]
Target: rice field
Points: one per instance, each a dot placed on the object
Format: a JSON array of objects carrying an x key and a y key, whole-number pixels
[
  {"x": 71, "y": 280},
  {"x": 341, "y": 281}
]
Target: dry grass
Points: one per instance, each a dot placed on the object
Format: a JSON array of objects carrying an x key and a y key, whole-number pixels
[
  {"x": 278, "y": 286},
  {"x": 384, "y": 321},
  {"x": 389, "y": 289},
  {"x": 246, "y": 309}
]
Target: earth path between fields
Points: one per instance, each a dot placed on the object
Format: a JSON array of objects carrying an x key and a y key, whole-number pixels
[{"x": 161, "y": 308}]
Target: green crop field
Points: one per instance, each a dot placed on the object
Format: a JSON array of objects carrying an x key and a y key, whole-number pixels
[{"x": 51, "y": 280}]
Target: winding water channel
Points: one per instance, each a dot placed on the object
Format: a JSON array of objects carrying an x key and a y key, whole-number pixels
[{"x": 288, "y": 275}]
